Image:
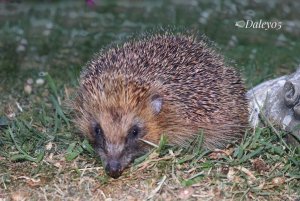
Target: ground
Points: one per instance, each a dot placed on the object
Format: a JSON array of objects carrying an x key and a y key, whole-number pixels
[{"x": 44, "y": 45}]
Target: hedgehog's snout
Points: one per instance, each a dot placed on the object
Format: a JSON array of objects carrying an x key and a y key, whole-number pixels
[{"x": 114, "y": 169}]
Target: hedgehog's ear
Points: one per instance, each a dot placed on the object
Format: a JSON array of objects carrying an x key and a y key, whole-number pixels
[{"x": 156, "y": 103}]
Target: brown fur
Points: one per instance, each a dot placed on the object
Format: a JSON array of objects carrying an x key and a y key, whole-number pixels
[{"x": 198, "y": 90}]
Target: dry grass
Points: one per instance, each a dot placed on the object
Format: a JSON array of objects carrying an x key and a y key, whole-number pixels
[{"x": 260, "y": 168}]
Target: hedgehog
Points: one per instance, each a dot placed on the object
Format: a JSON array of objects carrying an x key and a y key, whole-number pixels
[{"x": 165, "y": 84}]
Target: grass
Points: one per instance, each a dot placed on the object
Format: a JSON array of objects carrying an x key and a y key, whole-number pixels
[{"x": 41, "y": 155}]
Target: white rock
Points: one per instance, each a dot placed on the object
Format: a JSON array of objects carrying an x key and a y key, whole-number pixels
[
  {"x": 29, "y": 81},
  {"x": 28, "y": 89},
  {"x": 40, "y": 81},
  {"x": 20, "y": 48},
  {"x": 24, "y": 42}
]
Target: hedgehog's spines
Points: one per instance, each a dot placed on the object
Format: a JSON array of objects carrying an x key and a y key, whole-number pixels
[{"x": 199, "y": 89}]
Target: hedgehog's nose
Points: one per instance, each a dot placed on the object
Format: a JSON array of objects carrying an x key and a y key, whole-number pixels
[{"x": 113, "y": 169}]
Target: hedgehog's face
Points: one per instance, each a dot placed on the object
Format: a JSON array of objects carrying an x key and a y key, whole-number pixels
[{"x": 118, "y": 132}]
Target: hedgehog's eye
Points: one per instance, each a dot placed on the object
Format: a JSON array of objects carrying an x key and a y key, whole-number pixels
[
  {"x": 99, "y": 135},
  {"x": 98, "y": 130},
  {"x": 133, "y": 132}
]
